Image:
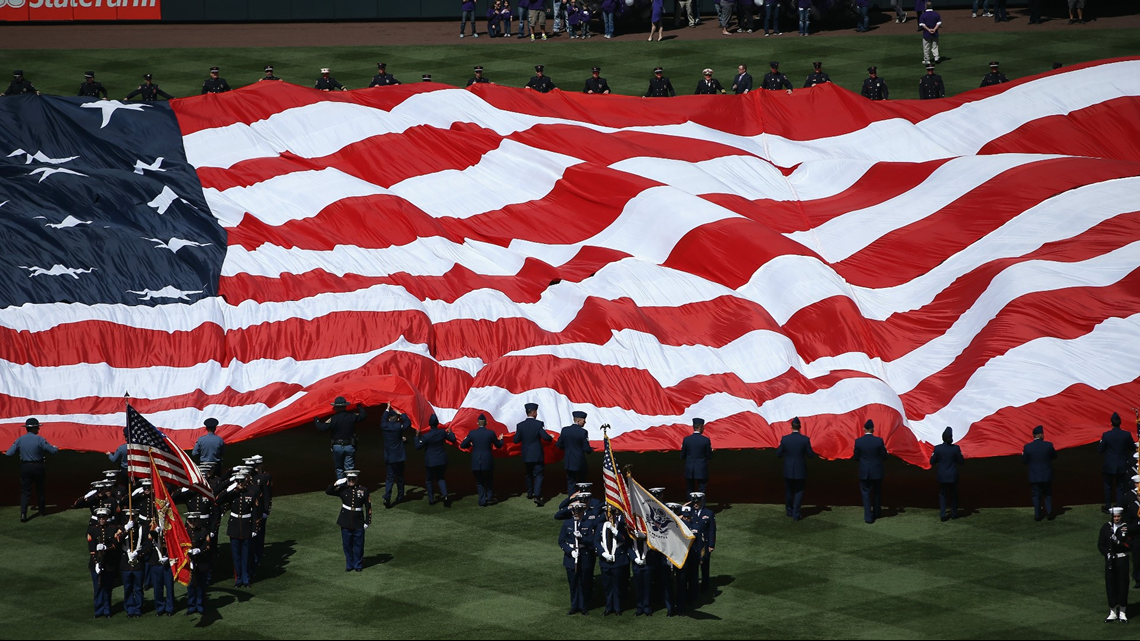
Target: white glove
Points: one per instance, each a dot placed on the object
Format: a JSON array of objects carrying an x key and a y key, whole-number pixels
[
  {"x": 129, "y": 525},
  {"x": 366, "y": 526},
  {"x": 163, "y": 559},
  {"x": 137, "y": 492},
  {"x": 195, "y": 551},
  {"x": 100, "y": 547},
  {"x": 173, "y": 562},
  {"x": 608, "y": 557},
  {"x": 254, "y": 533},
  {"x": 90, "y": 494},
  {"x": 265, "y": 515},
  {"x": 639, "y": 561},
  {"x": 231, "y": 487},
  {"x": 574, "y": 554},
  {"x": 341, "y": 481},
  {"x": 577, "y": 535},
  {"x": 131, "y": 556},
  {"x": 98, "y": 568}
]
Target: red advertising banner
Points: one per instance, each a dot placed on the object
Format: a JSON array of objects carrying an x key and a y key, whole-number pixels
[{"x": 58, "y": 10}]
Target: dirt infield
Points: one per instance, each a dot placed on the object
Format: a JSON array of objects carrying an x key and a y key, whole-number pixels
[{"x": 363, "y": 34}]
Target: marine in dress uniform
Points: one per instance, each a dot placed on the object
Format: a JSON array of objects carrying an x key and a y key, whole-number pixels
[
  {"x": 795, "y": 450},
  {"x": 708, "y": 85},
  {"x": 20, "y": 85},
  {"x": 153, "y": 552},
  {"x": 132, "y": 564},
  {"x": 91, "y": 89},
  {"x": 200, "y": 554},
  {"x": 575, "y": 538},
  {"x": 705, "y": 521},
  {"x": 382, "y": 77},
  {"x": 395, "y": 455},
  {"x": 268, "y": 74},
  {"x": 103, "y": 547},
  {"x": 659, "y": 86},
  {"x": 946, "y": 459},
  {"x": 930, "y": 86},
  {"x": 774, "y": 80},
  {"x": 342, "y": 430},
  {"x": 742, "y": 83},
  {"x": 994, "y": 77},
  {"x": 696, "y": 452},
  {"x": 1114, "y": 544},
  {"x": 264, "y": 482},
  {"x": 595, "y": 83},
  {"x": 243, "y": 497},
  {"x": 1117, "y": 447},
  {"x": 327, "y": 82},
  {"x": 870, "y": 452},
  {"x": 215, "y": 84},
  {"x": 540, "y": 82},
  {"x": 575, "y": 442},
  {"x": 611, "y": 547},
  {"x": 1038, "y": 455},
  {"x": 817, "y": 77},
  {"x": 530, "y": 434},
  {"x": 432, "y": 441},
  {"x": 478, "y": 78},
  {"x": 32, "y": 450},
  {"x": 148, "y": 90},
  {"x": 481, "y": 440},
  {"x": 874, "y": 87},
  {"x": 209, "y": 448},
  {"x": 354, "y": 518}
]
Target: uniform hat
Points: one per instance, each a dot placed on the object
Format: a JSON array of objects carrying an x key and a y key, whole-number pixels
[
  {"x": 686, "y": 508},
  {"x": 427, "y": 77},
  {"x": 211, "y": 422},
  {"x": 324, "y": 69},
  {"x": 31, "y": 423},
  {"x": 102, "y": 511},
  {"x": 707, "y": 72},
  {"x": 340, "y": 402},
  {"x": 110, "y": 474},
  {"x": 869, "y": 425},
  {"x": 796, "y": 423},
  {"x": 872, "y": 70},
  {"x": 17, "y": 73},
  {"x": 147, "y": 76},
  {"x": 538, "y": 67},
  {"x": 585, "y": 495},
  {"x": 145, "y": 482},
  {"x": 698, "y": 422},
  {"x": 129, "y": 511},
  {"x": 656, "y": 490},
  {"x": 482, "y": 417},
  {"x": 578, "y": 414},
  {"x": 696, "y": 495},
  {"x": 929, "y": 66},
  {"x": 380, "y": 65},
  {"x": 268, "y": 68},
  {"x": 596, "y": 69},
  {"x": 478, "y": 67},
  {"x": 214, "y": 70},
  {"x": 351, "y": 474},
  {"x": 101, "y": 483},
  {"x": 433, "y": 420},
  {"x": 577, "y": 505},
  {"x": 1038, "y": 430},
  {"x": 207, "y": 465},
  {"x": 658, "y": 70},
  {"x": 582, "y": 486},
  {"x": 531, "y": 407},
  {"x": 993, "y": 63},
  {"x": 817, "y": 65},
  {"x": 948, "y": 435},
  {"x": 1115, "y": 419},
  {"x": 1116, "y": 510},
  {"x": 88, "y": 74},
  {"x": 774, "y": 64}
]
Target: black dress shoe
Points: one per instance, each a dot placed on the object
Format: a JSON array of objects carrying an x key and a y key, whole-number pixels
[
  {"x": 585, "y": 613},
  {"x": 1051, "y": 517},
  {"x": 572, "y": 612},
  {"x": 945, "y": 519},
  {"x": 530, "y": 495},
  {"x": 637, "y": 614}
]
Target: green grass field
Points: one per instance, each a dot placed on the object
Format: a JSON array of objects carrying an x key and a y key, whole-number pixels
[{"x": 627, "y": 65}]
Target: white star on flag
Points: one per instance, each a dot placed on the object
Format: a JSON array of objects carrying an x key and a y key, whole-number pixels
[
  {"x": 109, "y": 108},
  {"x": 166, "y": 292},
  {"x": 174, "y": 244},
  {"x": 154, "y": 166},
  {"x": 162, "y": 201},
  {"x": 39, "y": 156},
  {"x": 48, "y": 171}
]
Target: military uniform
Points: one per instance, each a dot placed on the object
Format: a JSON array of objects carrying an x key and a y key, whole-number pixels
[
  {"x": 132, "y": 564},
  {"x": 659, "y": 86},
  {"x": 268, "y": 74},
  {"x": 149, "y": 91},
  {"x": 90, "y": 88},
  {"x": 154, "y": 554},
  {"x": 32, "y": 450},
  {"x": 794, "y": 450},
  {"x": 328, "y": 83},
  {"x": 395, "y": 456},
  {"x": 243, "y": 498},
  {"x": 201, "y": 555},
  {"x": 209, "y": 448},
  {"x": 354, "y": 518},
  {"x": 994, "y": 77},
  {"x": 696, "y": 452},
  {"x": 435, "y": 457},
  {"x": 689, "y": 574},
  {"x": 575, "y": 539},
  {"x": 575, "y": 442},
  {"x": 530, "y": 434},
  {"x": 1038, "y": 455},
  {"x": 103, "y": 548},
  {"x": 478, "y": 78},
  {"x": 870, "y": 453},
  {"x": 875, "y": 88},
  {"x": 215, "y": 83},
  {"x": 775, "y": 81},
  {"x": 596, "y": 84},
  {"x": 708, "y": 85},
  {"x": 705, "y": 521},
  {"x": 946, "y": 459},
  {"x": 539, "y": 82},
  {"x": 611, "y": 547},
  {"x": 19, "y": 85},
  {"x": 1117, "y": 448},
  {"x": 930, "y": 86},
  {"x": 480, "y": 440},
  {"x": 643, "y": 571},
  {"x": 383, "y": 78},
  {"x": 264, "y": 482},
  {"x": 817, "y": 77},
  {"x": 1114, "y": 544}
]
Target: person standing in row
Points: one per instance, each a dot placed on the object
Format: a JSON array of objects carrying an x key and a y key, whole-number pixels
[
  {"x": 817, "y": 77},
  {"x": 1117, "y": 447},
  {"x": 209, "y": 448},
  {"x": 131, "y": 565},
  {"x": 103, "y": 547},
  {"x": 870, "y": 452},
  {"x": 154, "y": 554},
  {"x": 478, "y": 78},
  {"x": 327, "y": 82},
  {"x": 201, "y": 556},
  {"x": 874, "y": 87},
  {"x": 696, "y": 452},
  {"x": 659, "y": 86},
  {"x": 481, "y": 441},
  {"x": 657, "y": 13},
  {"x": 574, "y": 539},
  {"x": 243, "y": 498},
  {"x": 468, "y": 15},
  {"x": 268, "y": 74},
  {"x": 771, "y": 17},
  {"x": 575, "y": 442},
  {"x": 395, "y": 454},
  {"x": 215, "y": 83},
  {"x": 537, "y": 16},
  {"x": 803, "y": 7},
  {"x": 148, "y": 90},
  {"x": 20, "y": 85},
  {"x": 612, "y": 549},
  {"x": 354, "y": 518},
  {"x": 382, "y": 77},
  {"x": 342, "y": 428},
  {"x": 863, "y": 20},
  {"x": 1039, "y": 455},
  {"x": 946, "y": 460},
  {"x": 795, "y": 450},
  {"x": 1114, "y": 544},
  {"x": 540, "y": 82},
  {"x": 530, "y": 434},
  {"x": 32, "y": 450},
  {"x": 264, "y": 482},
  {"x": 774, "y": 80},
  {"x": 608, "y": 9},
  {"x": 930, "y": 86},
  {"x": 743, "y": 82},
  {"x": 90, "y": 88},
  {"x": 994, "y": 77},
  {"x": 745, "y": 10},
  {"x": 432, "y": 441},
  {"x": 709, "y": 85},
  {"x": 704, "y": 520},
  {"x": 595, "y": 83},
  {"x": 930, "y": 22}
]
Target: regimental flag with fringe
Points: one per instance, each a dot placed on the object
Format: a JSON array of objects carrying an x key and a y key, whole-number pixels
[
  {"x": 664, "y": 531},
  {"x": 174, "y": 532}
]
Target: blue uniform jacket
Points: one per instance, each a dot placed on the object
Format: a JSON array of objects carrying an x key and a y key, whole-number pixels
[
  {"x": 531, "y": 433},
  {"x": 568, "y": 542},
  {"x": 31, "y": 448},
  {"x": 704, "y": 523},
  {"x": 481, "y": 440},
  {"x": 393, "y": 431},
  {"x": 119, "y": 456},
  {"x": 210, "y": 448},
  {"x": 593, "y": 508},
  {"x": 432, "y": 442},
  {"x": 945, "y": 460},
  {"x": 696, "y": 450},
  {"x": 795, "y": 449},
  {"x": 1118, "y": 448},
  {"x": 1039, "y": 455},
  {"x": 621, "y": 555},
  {"x": 575, "y": 441},
  {"x": 870, "y": 452}
]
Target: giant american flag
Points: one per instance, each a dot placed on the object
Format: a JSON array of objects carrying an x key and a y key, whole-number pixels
[{"x": 967, "y": 262}]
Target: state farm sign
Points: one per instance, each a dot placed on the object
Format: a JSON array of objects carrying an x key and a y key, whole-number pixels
[{"x": 48, "y": 10}]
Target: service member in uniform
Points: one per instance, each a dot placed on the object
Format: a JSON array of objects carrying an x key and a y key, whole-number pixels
[
  {"x": 795, "y": 450},
  {"x": 32, "y": 449},
  {"x": 264, "y": 482},
  {"x": 1114, "y": 544},
  {"x": 672, "y": 576},
  {"x": 705, "y": 521},
  {"x": 395, "y": 455},
  {"x": 696, "y": 452},
  {"x": 432, "y": 441},
  {"x": 103, "y": 547},
  {"x": 382, "y": 77},
  {"x": 612, "y": 549},
  {"x": 200, "y": 554},
  {"x": 1117, "y": 447},
  {"x": 342, "y": 428},
  {"x": 209, "y": 448},
  {"x": 874, "y": 87},
  {"x": 90, "y": 88},
  {"x": 583, "y": 495},
  {"x": 595, "y": 83},
  {"x": 354, "y": 518},
  {"x": 817, "y": 77},
  {"x": 1039, "y": 454},
  {"x": 575, "y": 442},
  {"x": 426, "y": 77},
  {"x": 643, "y": 571},
  {"x": 215, "y": 84},
  {"x": 478, "y": 79},
  {"x": 148, "y": 90},
  {"x": 659, "y": 85},
  {"x": 480, "y": 440},
  {"x": 930, "y": 86},
  {"x": 20, "y": 85},
  {"x": 870, "y": 453},
  {"x": 774, "y": 80},
  {"x": 91, "y": 500},
  {"x": 242, "y": 496},
  {"x": 158, "y": 564},
  {"x": 743, "y": 81},
  {"x": 327, "y": 82},
  {"x": 994, "y": 77},
  {"x": 132, "y": 564},
  {"x": 538, "y": 81},
  {"x": 946, "y": 459},
  {"x": 688, "y": 578},
  {"x": 574, "y": 539},
  {"x": 119, "y": 456},
  {"x": 268, "y": 74},
  {"x": 708, "y": 85},
  {"x": 530, "y": 434}
]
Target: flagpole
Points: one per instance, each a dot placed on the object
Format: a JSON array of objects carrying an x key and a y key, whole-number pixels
[{"x": 130, "y": 491}]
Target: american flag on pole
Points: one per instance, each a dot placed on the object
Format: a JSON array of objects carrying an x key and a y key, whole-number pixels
[
  {"x": 614, "y": 481},
  {"x": 151, "y": 452},
  {"x": 968, "y": 262}
]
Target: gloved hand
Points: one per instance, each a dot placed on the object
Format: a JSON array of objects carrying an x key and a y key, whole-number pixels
[
  {"x": 129, "y": 526},
  {"x": 98, "y": 568},
  {"x": 173, "y": 562},
  {"x": 195, "y": 551},
  {"x": 137, "y": 492},
  {"x": 639, "y": 561},
  {"x": 232, "y": 487},
  {"x": 163, "y": 559},
  {"x": 254, "y": 533},
  {"x": 341, "y": 481},
  {"x": 574, "y": 554},
  {"x": 100, "y": 547},
  {"x": 366, "y": 526},
  {"x": 131, "y": 556},
  {"x": 608, "y": 557},
  {"x": 90, "y": 494},
  {"x": 577, "y": 535}
]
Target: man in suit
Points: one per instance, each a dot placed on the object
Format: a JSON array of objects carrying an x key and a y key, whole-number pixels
[
  {"x": 1038, "y": 454},
  {"x": 1117, "y": 447},
  {"x": 432, "y": 442},
  {"x": 795, "y": 449},
  {"x": 481, "y": 440},
  {"x": 870, "y": 452},
  {"x": 575, "y": 442},
  {"x": 531, "y": 433},
  {"x": 394, "y": 453},
  {"x": 742, "y": 83},
  {"x": 946, "y": 459},
  {"x": 574, "y": 539},
  {"x": 696, "y": 451}
]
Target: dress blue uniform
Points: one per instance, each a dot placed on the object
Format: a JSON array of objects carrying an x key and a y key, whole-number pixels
[
  {"x": 1114, "y": 543},
  {"x": 132, "y": 566},
  {"x": 575, "y": 540},
  {"x": 875, "y": 88},
  {"x": 394, "y": 454},
  {"x": 575, "y": 442},
  {"x": 704, "y": 520},
  {"x": 696, "y": 452},
  {"x": 210, "y": 448},
  {"x": 794, "y": 449},
  {"x": 1117, "y": 447},
  {"x": 539, "y": 82},
  {"x": 1038, "y": 454},
  {"x": 90, "y": 88},
  {"x": 870, "y": 452},
  {"x": 215, "y": 84},
  {"x": 946, "y": 460},
  {"x": 149, "y": 91},
  {"x": 382, "y": 77},
  {"x": 19, "y": 85},
  {"x": 153, "y": 551},
  {"x": 611, "y": 547},
  {"x": 481, "y": 441},
  {"x": 103, "y": 546},
  {"x": 201, "y": 554},
  {"x": 354, "y": 518},
  {"x": 644, "y": 568},
  {"x": 774, "y": 80},
  {"x": 530, "y": 434},
  {"x": 342, "y": 428},
  {"x": 32, "y": 449},
  {"x": 435, "y": 457},
  {"x": 243, "y": 497},
  {"x": 264, "y": 482}
]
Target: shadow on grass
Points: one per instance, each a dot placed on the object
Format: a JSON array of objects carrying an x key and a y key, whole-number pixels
[{"x": 377, "y": 559}]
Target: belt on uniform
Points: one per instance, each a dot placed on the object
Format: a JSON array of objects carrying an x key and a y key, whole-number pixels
[
  {"x": 341, "y": 441},
  {"x": 39, "y": 461},
  {"x": 352, "y": 509},
  {"x": 241, "y": 516},
  {"x": 1122, "y": 555}
]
